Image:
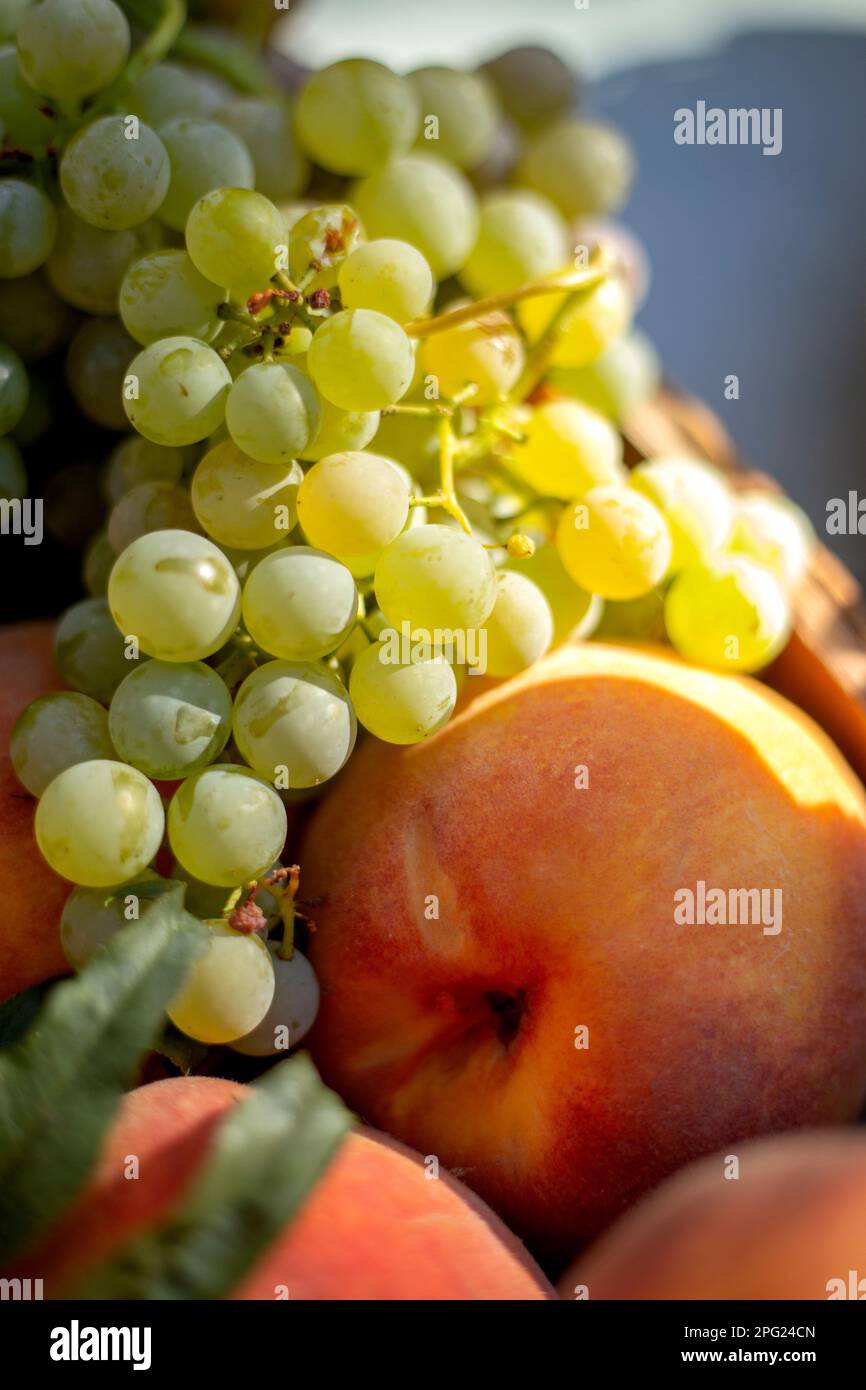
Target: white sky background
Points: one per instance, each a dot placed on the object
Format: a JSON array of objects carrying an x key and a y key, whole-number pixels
[{"x": 608, "y": 35}]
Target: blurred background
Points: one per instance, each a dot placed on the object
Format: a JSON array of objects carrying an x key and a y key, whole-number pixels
[{"x": 758, "y": 262}]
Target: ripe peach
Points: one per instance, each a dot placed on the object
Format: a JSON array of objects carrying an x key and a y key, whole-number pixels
[
  {"x": 504, "y": 982},
  {"x": 374, "y": 1227},
  {"x": 791, "y": 1226}
]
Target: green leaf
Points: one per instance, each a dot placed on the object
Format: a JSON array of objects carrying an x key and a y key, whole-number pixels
[
  {"x": 268, "y": 1154},
  {"x": 17, "y": 1013},
  {"x": 184, "y": 1053},
  {"x": 60, "y": 1085}
]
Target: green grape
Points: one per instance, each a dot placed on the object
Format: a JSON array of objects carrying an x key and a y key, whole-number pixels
[
  {"x": 401, "y": 702},
  {"x": 164, "y": 296},
  {"x": 729, "y": 613},
  {"x": 576, "y": 612},
  {"x": 113, "y": 174},
  {"x": 10, "y": 15},
  {"x": 435, "y": 577},
  {"x": 588, "y": 330},
  {"x": 319, "y": 241},
  {"x": 533, "y": 85},
  {"x": 522, "y": 237},
  {"x": 243, "y": 503},
  {"x": 586, "y": 168},
  {"x": 14, "y": 389},
  {"x": 299, "y": 603},
  {"x": 69, "y": 49},
  {"x": 361, "y": 360},
  {"x": 233, "y": 236},
  {"x": 341, "y": 431},
  {"x": 89, "y": 650},
  {"x": 519, "y": 629},
  {"x": 775, "y": 532},
  {"x": 204, "y": 156},
  {"x": 226, "y": 825},
  {"x": 177, "y": 593},
  {"x": 627, "y": 374},
  {"x": 99, "y": 357},
  {"x": 99, "y": 558},
  {"x": 273, "y": 412},
  {"x": 28, "y": 123},
  {"x": 614, "y": 542},
  {"x": 294, "y": 723},
  {"x": 99, "y": 823},
  {"x": 135, "y": 460},
  {"x": 208, "y": 900},
  {"x": 176, "y": 390},
  {"x": 353, "y": 115},
  {"x": 165, "y": 91},
  {"x": 92, "y": 916},
  {"x": 389, "y": 276},
  {"x": 170, "y": 718},
  {"x": 567, "y": 449},
  {"x": 55, "y": 732},
  {"x": 293, "y": 1008},
  {"x": 486, "y": 352},
  {"x": 149, "y": 507},
  {"x": 464, "y": 112},
  {"x": 13, "y": 475},
  {"x": 28, "y": 227},
  {"x": 33, "y": 320},
  {"x": 267, "y": 130},
  {"x": 87, "y": 264},
  {"x": 228, "y": 990},
  {"x": 635, "y": 619},
  {"x": 39, "y": 412},
  {"x": 694, "y": 500},
  {"x": 353, "y": 504},
  {"x": 421, "y": 199}
]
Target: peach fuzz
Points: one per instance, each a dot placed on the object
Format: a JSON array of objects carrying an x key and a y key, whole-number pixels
[
  {"x": 792, "y": 1225},
  {"x": 478, "y": 909},
  {"x": 374, "y": 1226}
]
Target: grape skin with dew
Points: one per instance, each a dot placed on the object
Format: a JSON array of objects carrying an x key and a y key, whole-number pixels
[
  {"x": 228, "y": 990},
  {"x": 519, "y": 629},
  {"x": 566, "y": 450},
  {"x": 435, "y": 577},
  {"x": 353, "y": 504},
  {"x": 110, "y": 180},
  {"x": 293, "y": 1008},
  {"x": 389, "y": 276},
  {"x": 242, "y": 503},
  {"x": 300, "y": 604},
  {"x": 226, "y": 825},
  {"x": 90, "y": 652},
  {"x": 162, "y": 295},
  {"x": 91, "y": 917},
  {"x": 69, "y": 49},
  {"x": 294, "y": 716},
  {"x": 402, "y": 702},
  {"x": 521, "y": 237},
  {"x": 730, "y": 613},
  {"x": 354, "y": 115},
  {"x": 169, "y": 719},
  {"x": 28, "y": 228},
  {"x": 176, "y": 391},
  {"x": 422, "y": 199},
  {"x": 614, "y": 542},
  {"x": 55, "y": 732},
  {"x": 273, "y": 412},
  {"x": 99, "y": 823},
  {"x": 176, "y": 593},
  {"x": 361, "y": 360},
  {"x": 233, "y": 236}
]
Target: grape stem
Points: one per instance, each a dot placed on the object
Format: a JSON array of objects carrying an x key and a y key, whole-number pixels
[{"x": 161, "y": 38}]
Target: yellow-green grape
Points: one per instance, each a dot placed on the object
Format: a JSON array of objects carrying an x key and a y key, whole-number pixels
[
  {"x": 294, "y": 723},
  {"x": 99, "y": 558},
  {"x": 729, "y": 613},
  {"x": 14, "y": 389},
  {"x": 99, "y": 823},
  {"x": 176, "y": 593},
  {"x": 175, "y": 391},
  {"x": 28, "y": 227},
  {"x": 204, "y": 156},
  {"x": 149, "y": 507},
  {"x": 228, "y": 990},
  {"x": 234, "y": 236},
  {"x": 519, "y": 629},
  {"x": 69, "y": 49},
  {"x": 164, "y": 296},
  {"x": 614, "y": 542},
  {"x": 111, "y": 179},
  {"x": 694, "y": 500},
  {"x": 96, "y": 365},
  {"x": 635, "y": 619},
  {"x": 267, "y": 130},
  {"x": 87, "y": 265},
  {"x": 522, "y": 236},
  {"x": 166, "y": 90},
  {"x": 29, "y": 123},
  {"x": 91, "y": 654},
  {"x": 293, "y": 1008},
  {"x": 39, "y": 412},
  {"x": 774, "y": 531},
  {"x": 567, "y": 450},
  {"x": 600, "y": 316},
  {"x": 353, "y": 504},
  {"x": 361, "y": 360},
  {"x": 627, "y": 374},
  {"x": 354, "y": 115},
  {"x": 340, "y": 431},
  {"x": 33, "y": 320},
  {"x": 402, "y": 702},
  {"x": 586, "y": 168},
  {"x": 136, "y": 460},
  {"x": 486, "y": 353},
  {"x": 226, "y": 825},
  {"x": 243, "y": 503},
  {"x": 533, "y": 85},
  {"x": 55, "y": 732},
  {"x": 389, "y": 276},
  {"x": 459, "y": 115},
  {"x": 91, "y": 917},
  {"x": 299, "y": 603},
  {"x": 435, "y": 577},
  {"x": 273, "y": 411},
  {"x": 576, "y": 612},
  {"x": 422, "y": 199},
  {"x": 170, "y": 718},
  {"x": 319, "y": 241}
]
